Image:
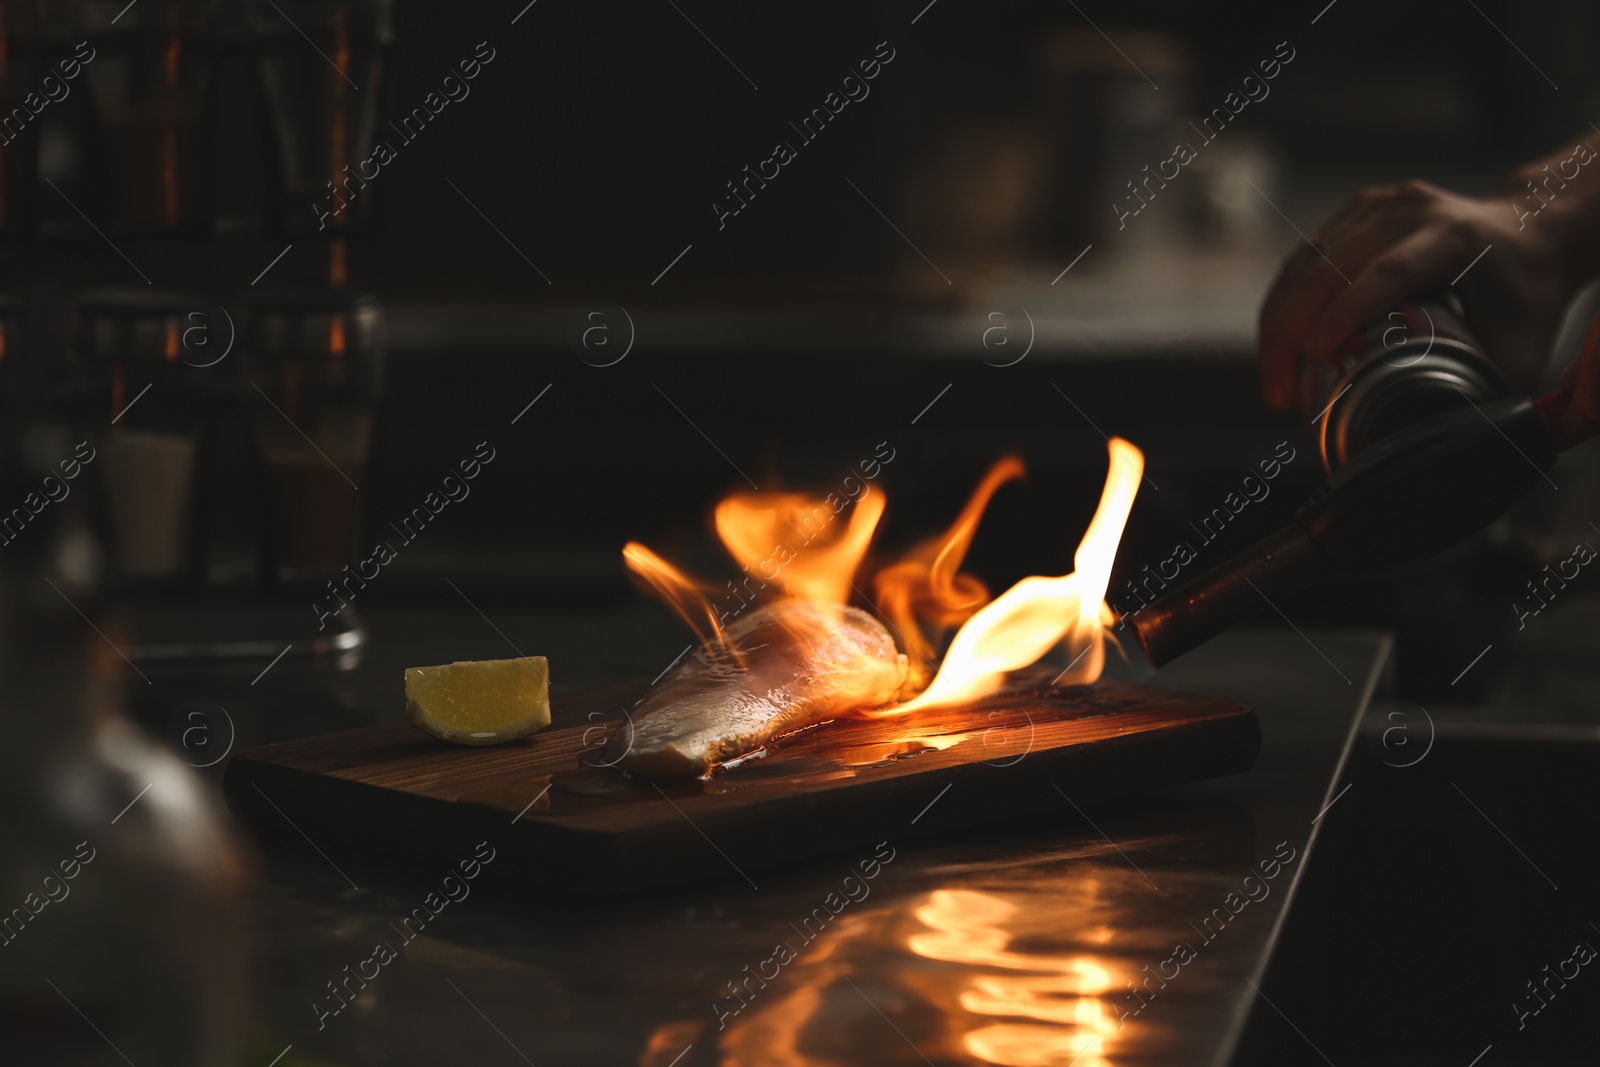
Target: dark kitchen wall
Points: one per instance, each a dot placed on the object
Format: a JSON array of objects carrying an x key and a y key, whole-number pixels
[
  {"x": 595, "y": 144},
  {"x": 599, "y": 138},
  {"x": 601, "y": 135}
]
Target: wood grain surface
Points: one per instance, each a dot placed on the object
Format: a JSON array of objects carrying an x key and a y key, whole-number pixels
[{"x": 575, "y": 825}]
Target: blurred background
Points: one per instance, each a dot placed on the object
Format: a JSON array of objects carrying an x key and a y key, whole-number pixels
[
  {"x": 538, "y": 266},
  {"x": 543, "y": 198}
]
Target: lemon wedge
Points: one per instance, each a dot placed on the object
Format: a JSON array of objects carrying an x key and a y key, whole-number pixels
[{"x": 481, "y": 702}]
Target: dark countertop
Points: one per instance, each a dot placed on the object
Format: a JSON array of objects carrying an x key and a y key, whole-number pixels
[{"x": 1013, "y": 940}]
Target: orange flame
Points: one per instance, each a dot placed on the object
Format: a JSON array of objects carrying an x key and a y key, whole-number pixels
[
  {"x": 1029, "y": 619},
  {"x": 680, "y": 592},
  {"x": 760, "y": 531},
  {"x": 923, "y": 589},
  {"x": 926, "y": 584}
]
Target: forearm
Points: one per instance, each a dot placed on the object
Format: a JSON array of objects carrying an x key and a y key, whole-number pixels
[{"x": 1558, "y": 197}]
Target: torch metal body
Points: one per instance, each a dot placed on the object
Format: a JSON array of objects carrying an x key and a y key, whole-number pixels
[
  {"x": 1400, "y": 500},
  {"x": 1407, "y": 365}
]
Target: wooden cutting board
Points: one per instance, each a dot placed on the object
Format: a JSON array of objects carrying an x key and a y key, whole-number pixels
[{"x": 562, "y": 821}]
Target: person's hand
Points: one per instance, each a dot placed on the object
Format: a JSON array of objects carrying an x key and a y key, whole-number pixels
[{"x": 1386, "y": 245}]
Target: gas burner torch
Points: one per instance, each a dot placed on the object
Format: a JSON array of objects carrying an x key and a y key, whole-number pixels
[{"x": 1424, "y": 446}]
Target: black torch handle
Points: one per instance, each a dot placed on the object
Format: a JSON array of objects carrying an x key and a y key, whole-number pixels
[
  {"x": 1401, "y": 500},
  {"x": 1202, "y": 608}
]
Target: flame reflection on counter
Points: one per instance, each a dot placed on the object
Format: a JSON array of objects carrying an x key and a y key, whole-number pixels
[
  {"x": 964, "y": 976},
  {"x": 1057, "y": 994}
]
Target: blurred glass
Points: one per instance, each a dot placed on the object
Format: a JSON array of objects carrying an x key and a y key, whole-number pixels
[
  {"x": 316, "y": 358},
  {"x": 21, "y": 73},
  {"x": 150, "y": 72},
  {"x": 134, "y": 385},
  {"x": 320, "y": 64}
]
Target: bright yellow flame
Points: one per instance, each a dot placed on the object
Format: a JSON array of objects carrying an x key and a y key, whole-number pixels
[
  {"x": 796, "y": 542},
  {"x": 1027, "y": 620},
  {"x": 1062, "y": 993},
  {"x": 926, "y": 584}
]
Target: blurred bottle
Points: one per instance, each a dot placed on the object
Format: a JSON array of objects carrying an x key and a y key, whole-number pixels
[{"x": 122, "y": 920}]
